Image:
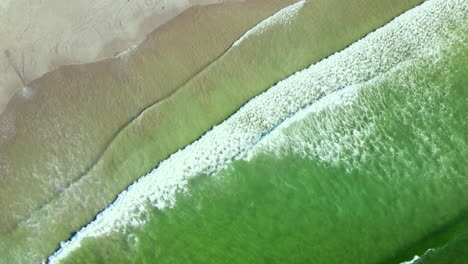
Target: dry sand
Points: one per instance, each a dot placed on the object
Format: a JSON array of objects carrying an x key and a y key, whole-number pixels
[{"x": 38, "y": 36}]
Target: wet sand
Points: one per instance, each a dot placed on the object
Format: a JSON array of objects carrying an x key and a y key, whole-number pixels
[
  {"x": 91, "y": 130},
  {"x": 54, "y": 131},
  {"x": 39, "y": 36},
  {"x": 67, "y": 118}
]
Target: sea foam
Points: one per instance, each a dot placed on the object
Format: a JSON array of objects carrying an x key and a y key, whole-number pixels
[
  {"x": 418, "y": 33},
  {"x": 284, "y": 16},
  {"x": 416, "y": 258},
  {"x": 130, "y": 50}
]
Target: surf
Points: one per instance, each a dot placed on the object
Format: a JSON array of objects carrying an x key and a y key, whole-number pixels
[{"x": 410, "y": 36}]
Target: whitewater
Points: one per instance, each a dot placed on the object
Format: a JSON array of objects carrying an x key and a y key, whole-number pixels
[
  {"x": 415, "y": 35},
  {"x": 282, "y": 17}
]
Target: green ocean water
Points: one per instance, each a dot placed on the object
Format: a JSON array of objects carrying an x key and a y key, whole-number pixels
[
  {"x": 85, "y": 183},
  {"x": 454, "y": 252},
  {"x": 377, "y": 178}
]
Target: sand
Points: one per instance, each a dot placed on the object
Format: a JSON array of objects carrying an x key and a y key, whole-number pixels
[
  {"x": 39, "y": 36},
  {"x": 91, "y": 130},
  {"x": 54, "y": 131},
  {"x": 67, "y": 118}
]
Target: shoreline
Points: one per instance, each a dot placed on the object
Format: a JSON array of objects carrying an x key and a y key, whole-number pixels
[
  {"x": 124, "y": 162},
  {"x": 210, "y": 142},
  {"x": 72, "y": 117},
  {"x": 161, "y": 37},
  {"x": 25, "y": 58}
]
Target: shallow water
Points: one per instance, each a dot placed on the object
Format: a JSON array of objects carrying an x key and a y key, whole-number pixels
[
  {"x": 370, "y": 173},
  {"x": 64, "y": 195}
]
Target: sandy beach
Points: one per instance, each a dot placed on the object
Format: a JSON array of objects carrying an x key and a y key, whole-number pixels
[
  {"x": 69, "y": 116},
  {"x": 92, "y": 129},
  {"x": 39, "y": 36}
]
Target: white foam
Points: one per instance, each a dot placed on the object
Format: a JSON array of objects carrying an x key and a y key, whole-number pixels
[
  {"x": 411, "y": 36},
  {"x": 279, "y": 138},
  {"x": 27, "y": 93},
  {"x": 284, "y": 16},
  {"x": 416, "y": 258},
  {"x": 130, "y": 50},
  {"x": 411, "y": 261}
]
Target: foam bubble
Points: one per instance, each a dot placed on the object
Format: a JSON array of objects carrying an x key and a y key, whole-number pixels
[{"x": 27, "y": 93}]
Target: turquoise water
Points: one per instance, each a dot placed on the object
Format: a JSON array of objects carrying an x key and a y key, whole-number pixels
[{"x": 377, "y": 176}]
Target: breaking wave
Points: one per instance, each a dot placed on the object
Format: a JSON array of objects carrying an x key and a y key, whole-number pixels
[{"x": 419, "y": 34}]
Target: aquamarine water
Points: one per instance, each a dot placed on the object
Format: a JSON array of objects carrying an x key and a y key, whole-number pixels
[
  {"x": 364, "y": 175},
  {"x": 371, "y": 170}
]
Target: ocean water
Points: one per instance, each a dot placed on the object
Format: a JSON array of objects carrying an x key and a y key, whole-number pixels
[
  {"x": 373, "y": 171},
  {"x": 451, "y": 253},
  {"x": 395, "y": 174},
  {"x": 207, "y": 99}
]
